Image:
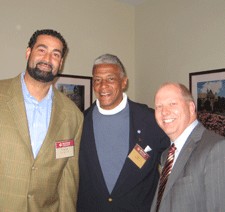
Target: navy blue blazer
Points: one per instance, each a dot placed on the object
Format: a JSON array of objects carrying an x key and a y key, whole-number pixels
[{"x": 135, "y": 187}]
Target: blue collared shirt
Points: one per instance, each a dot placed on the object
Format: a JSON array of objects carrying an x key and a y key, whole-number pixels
[
  {"x": 180, "y": 141},
  {"x": 38, "y": 116}
]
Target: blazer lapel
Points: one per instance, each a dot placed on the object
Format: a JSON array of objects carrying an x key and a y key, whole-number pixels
[
  {"x": 17, "y": 108},
  {"x": 183, "y": 157},
  {"x": 57, "y": 118},
  {"x": 130, "y": 173},
  {"x": 90, "y": 148}
]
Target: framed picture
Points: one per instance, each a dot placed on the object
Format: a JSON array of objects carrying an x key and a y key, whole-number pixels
[
  {"x": 208, "y": 90},
  {"x": 77, "y": 88}
]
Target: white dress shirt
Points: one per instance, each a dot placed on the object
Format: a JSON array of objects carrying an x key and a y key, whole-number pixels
[{"x": 180, "y": 141}]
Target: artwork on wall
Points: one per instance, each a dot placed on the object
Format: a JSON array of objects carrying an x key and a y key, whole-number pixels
[
  {"x": 208, "y": 90},
  {"x": 77, "y": 88}
]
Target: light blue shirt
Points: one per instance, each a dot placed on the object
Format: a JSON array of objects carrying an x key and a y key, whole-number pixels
[
  {"x": 38, "y": 116},
  {"x": 180, "y": 141}
]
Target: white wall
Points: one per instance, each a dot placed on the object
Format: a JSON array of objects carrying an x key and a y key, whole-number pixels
[
  {"x": 91, "y": 28},
  {"x": 174, "y": 38}
]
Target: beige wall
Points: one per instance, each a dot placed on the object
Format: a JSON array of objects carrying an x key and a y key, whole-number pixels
[
  {"x": 157, "y": 41},
  {"x": 174, "y": 38},
  {"x": 91, "y": 28}
]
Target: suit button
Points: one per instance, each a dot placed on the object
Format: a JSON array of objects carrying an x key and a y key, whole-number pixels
[
  {"x": 34, "y": 168},
  {"x": 110, "y": 199}
]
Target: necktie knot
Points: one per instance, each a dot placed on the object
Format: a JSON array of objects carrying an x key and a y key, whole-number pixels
[{"x": 172, "y": 148}]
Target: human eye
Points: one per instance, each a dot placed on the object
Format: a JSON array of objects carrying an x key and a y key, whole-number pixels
[
  {"x": 173, "y": 103},
  {"x": 96, "y": 81},
  {"x": 56, "y": 54},
  {"x": 157, "y": 107},
  {"x": 111, "y": 79},
  {"x": 41, "y": 50}
]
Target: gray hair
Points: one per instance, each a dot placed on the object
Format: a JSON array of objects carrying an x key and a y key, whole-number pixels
[{"x": 110, "y": 59}]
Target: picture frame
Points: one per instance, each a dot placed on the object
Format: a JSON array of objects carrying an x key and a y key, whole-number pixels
[
  {"x": 208, "y": 91},
  {"x": 77, "y": 88}
]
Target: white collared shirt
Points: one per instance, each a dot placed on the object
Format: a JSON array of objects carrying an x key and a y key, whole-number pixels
[
  {"x": 115, "y": 110},
  {"x": 180, "y": 141}
]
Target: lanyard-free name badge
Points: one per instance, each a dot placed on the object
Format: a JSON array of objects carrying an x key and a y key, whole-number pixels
[
  {"x": 64, "y": 149},
  {"x": 138, "y": 156}
]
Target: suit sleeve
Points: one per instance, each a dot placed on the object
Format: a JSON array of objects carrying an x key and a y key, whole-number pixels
[
  {"x": 214, "y": 177},
  {"x": 68, "y": 185}
]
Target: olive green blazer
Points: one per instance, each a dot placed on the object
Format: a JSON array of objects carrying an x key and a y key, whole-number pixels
[{"x": 45, "y": 183}]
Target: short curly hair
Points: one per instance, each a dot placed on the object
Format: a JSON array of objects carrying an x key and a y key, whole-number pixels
[{"x": 50, "y": 32}]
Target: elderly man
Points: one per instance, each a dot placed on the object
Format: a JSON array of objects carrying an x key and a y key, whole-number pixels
[
  {"x": 40, "y": 133},
  {"x": 120, "y": 147},
  {"x": 192, "y": 178}
]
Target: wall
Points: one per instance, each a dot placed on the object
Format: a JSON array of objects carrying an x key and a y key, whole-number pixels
[
  {"x": 174, "y": 38},
  {"x": 91, "y": 28},
  {"x": 157, "y": 41}
]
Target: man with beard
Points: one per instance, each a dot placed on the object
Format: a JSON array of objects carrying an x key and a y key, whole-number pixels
[{"x": 40, "y": 133}]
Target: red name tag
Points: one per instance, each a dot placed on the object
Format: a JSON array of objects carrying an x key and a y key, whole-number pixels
[
  {"x": 64, "y": 144},
  {"x": 64, "y": 149}
]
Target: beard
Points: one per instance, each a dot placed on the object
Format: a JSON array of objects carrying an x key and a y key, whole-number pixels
[{"x": 39, "y": 75}]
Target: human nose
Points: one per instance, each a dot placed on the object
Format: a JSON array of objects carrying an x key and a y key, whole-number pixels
[
  {"x": 104, "y": 83},
  {"x": 165, "y": 111},
  {"x": 47, "y": 57}
]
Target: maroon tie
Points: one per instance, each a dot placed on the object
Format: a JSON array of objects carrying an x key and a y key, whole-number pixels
[{"x": 165, "y": 174}]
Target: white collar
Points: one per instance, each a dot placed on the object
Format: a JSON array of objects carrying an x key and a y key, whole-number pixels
[
  {"x": 181, "y": 140},
  {"x": 115, "y": 110}
]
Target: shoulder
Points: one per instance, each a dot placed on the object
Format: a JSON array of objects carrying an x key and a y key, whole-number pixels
[
  {"x": 7, "y": 85},
  {"x": 67, "y": 105},
  {"x": 208, "y": 143},
  {"x": 141, "y": 107},
  {"x": 88, "y": 111},
  {"x": 210, "y": 135},
  {"x": 142, "y": 113},
  {"x": 210, "y": 138},
  {"x": 202, "y": 135}
]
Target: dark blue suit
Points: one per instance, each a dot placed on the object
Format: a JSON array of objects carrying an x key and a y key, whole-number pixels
[{"x": 135, "y": 187}]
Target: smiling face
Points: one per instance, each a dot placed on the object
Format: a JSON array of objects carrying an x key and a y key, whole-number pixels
[
  {"x": 173, "y": 114},
  {"x": 44, "y": 60},
  {"x": 108, "y": 85}
]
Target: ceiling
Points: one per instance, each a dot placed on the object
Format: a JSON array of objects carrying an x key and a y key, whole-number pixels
[{"x": 131, "y": 2}]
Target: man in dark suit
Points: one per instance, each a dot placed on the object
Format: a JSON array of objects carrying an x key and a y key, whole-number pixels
[
  {"x": 120, "y": 148},
  {"x": 196, "y": 182}
]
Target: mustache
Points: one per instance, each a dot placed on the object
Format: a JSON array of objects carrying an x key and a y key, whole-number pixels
[{"x": 44, "y": 63}]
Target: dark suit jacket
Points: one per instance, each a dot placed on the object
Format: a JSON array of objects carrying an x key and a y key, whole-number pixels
[
  {"x": 45, "y": 183},
  {"x": 135, "y": 187},
  {"x": 196, "y": 183}
]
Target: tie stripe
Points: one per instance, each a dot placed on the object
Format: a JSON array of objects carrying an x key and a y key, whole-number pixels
[{"x": 165, "y": 174}]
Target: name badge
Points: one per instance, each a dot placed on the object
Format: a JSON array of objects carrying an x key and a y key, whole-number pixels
[
  {"x": 64, "y": 149},
  {"x": 138, "y": 156}
]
